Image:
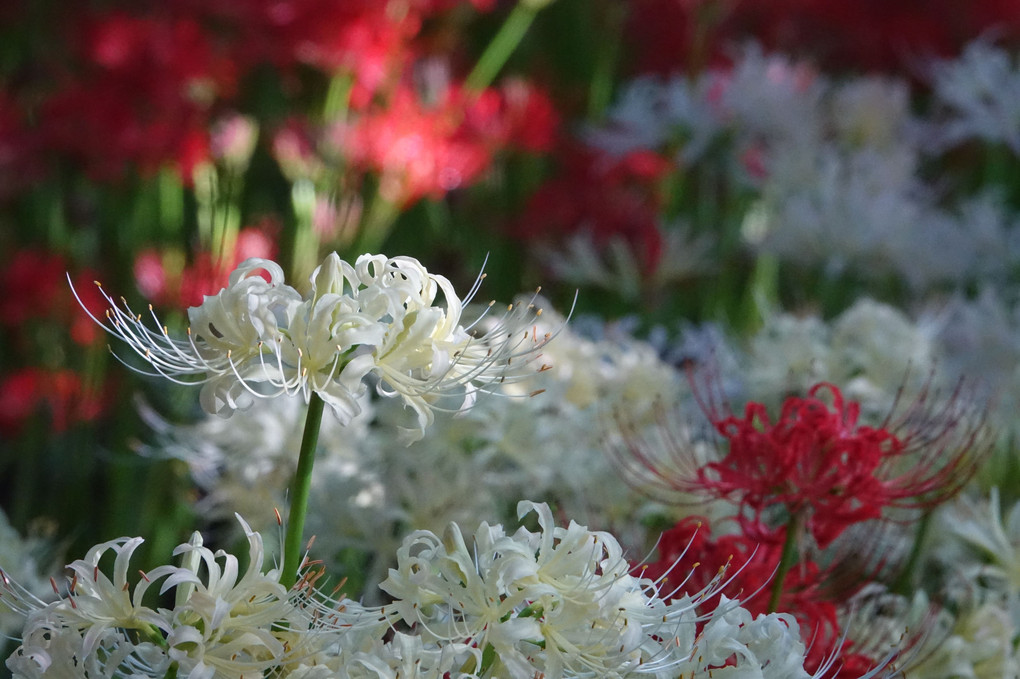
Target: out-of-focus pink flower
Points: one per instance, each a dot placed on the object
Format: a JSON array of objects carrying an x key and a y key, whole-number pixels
[
  {"x": 426, "y": 148},
  {"x": 233, "y": 139},
  {"x": 165, "y": 280},
  {"x": 517, "y": 115},
  {"x": 294, "y": 150}
]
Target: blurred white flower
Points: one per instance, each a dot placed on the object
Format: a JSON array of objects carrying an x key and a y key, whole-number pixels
[
  {"x": 977, "y": 96},
  {"x": 872, "y": 350},
  {"x": 223, "y": 623},
  {"x": 979, "y": 340},
  {"x": 872, "y": 112},
  {"x": 990, "y": 541},
  {"x": 25, "y": 560},
  {"x": 616, "y": 266},
  {"x": 652, "y": 113}
]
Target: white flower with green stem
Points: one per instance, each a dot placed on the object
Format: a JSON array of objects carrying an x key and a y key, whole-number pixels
[
  {"x": 379, "y": 317},
  {"x": 223, "y": 622}
]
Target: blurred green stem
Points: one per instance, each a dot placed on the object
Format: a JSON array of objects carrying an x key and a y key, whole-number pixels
[
  {"x": 903, "y": 585},
  {"x": 305, "y": 250},
  {"x": 377, "y": 224},
  {"x": 600, "y": 92},
  {"x": 762, "y": 296},
  {"x": 786, "y": 561},
  {"x": 502, "y": 46},
  {"x": 299, "y": 492},
  {"x": 337, "y": 98}
]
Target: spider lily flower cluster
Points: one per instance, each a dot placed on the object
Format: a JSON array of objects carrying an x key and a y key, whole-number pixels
[
  {"x": 223, "y": 623},
  {"x": 562, "y": 602},
  {"x": 259, "y": 337},
  {"x": 816, "y": 462},
  {"x": 558, "y": 602},
  {"x": 815, "y": 494}
]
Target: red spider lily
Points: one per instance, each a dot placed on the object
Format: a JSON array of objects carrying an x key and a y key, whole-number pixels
[
  {"x": 751, "y": 567},
  {"x": 816, "y": 463},
  {"x": 370, "y": 40}
]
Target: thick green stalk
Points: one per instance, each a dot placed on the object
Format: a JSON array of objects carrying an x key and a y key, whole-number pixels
[
  {"x": 299, "y": 492},
  {"x": 786, "y": 561},
  {"x": 502, "y": 46},
  {"x": 902, "y": 585}
]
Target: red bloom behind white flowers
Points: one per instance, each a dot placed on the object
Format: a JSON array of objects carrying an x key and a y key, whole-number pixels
[
  {"x": 817, "y": 463},
  {"x": 421, "y": 149},
  {"x": 165, "y": 280}
]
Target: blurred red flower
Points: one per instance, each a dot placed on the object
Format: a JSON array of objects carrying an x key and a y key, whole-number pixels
[
  {"x": 864, "y": 35},
  {"x": 426, "y": 149},
  {"x": 141, "y": 97},
  {"x": 608, "y": 197},
  {"x": 165, "y": 280},
  {"x": 61, "y": 394},
  {"x": 32, "y": 281},
  {"x": 749, "y": 568}
]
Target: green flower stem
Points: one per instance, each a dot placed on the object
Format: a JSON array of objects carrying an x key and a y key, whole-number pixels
[
  {"x": 902, "y": 585},
  {"x": 305, "y": 244},
  {"x": 786, "y": 561},
  {"x": 299, "y": 492},
  {"x": 338, "y": 97},
  {"x": 502, "y": 46},
  {"x": 762, "y": 295},
  {"x": 377, "y": 224}
]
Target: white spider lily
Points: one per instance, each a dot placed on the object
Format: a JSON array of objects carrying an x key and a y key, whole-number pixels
[
  {"x": 258, "y": 337},
  {"x": 561, "y": 602},
  {"x": 223, "y": 623}
]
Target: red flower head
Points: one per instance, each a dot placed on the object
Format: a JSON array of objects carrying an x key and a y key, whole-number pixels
[
  {"x": 749, "y": 568},
  {"x": 816, "y": 463}
]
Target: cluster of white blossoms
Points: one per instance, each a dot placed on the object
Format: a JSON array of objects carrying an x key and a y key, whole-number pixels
[
  {"x": 559, "y": 602},
  {"x": 872, "y": 350},
  {"x": 387, "y": 317},
  {"x": 978, "y": 96},
  {"x": 562, "y": 602},
  {"x": 223, "y": 623},
  {"x": 368, "y": 491},
  {"x": 827, "y": 174}
]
